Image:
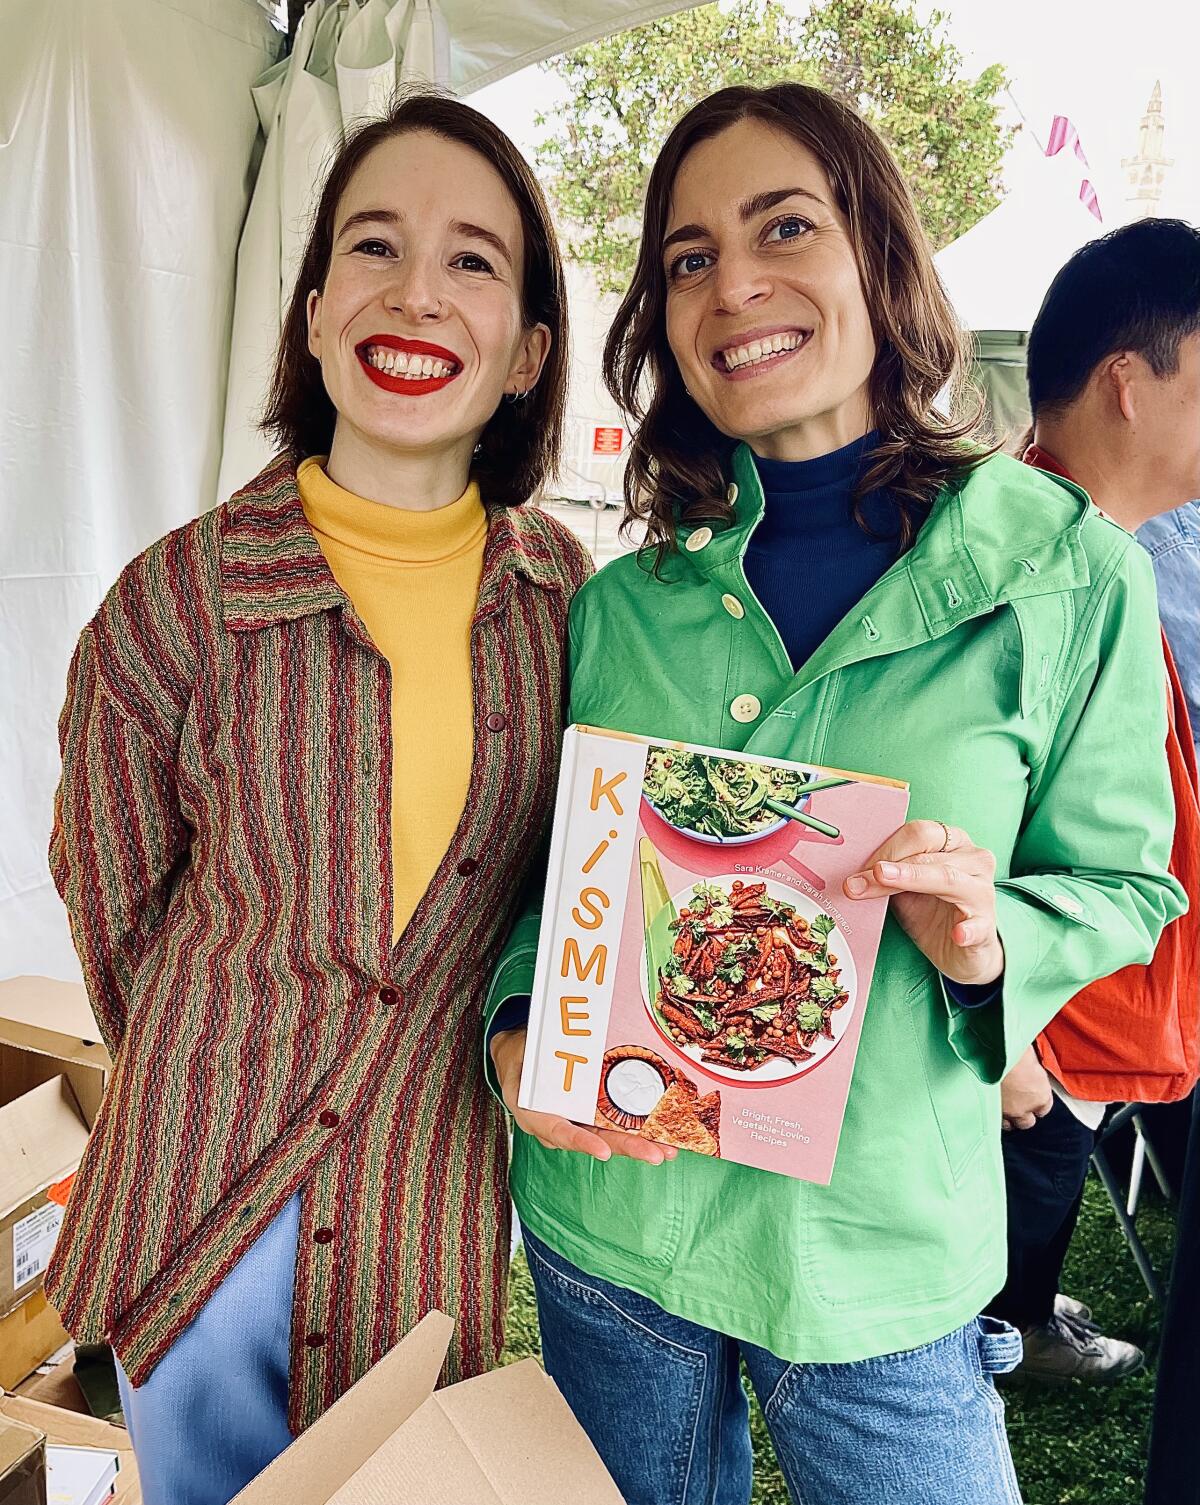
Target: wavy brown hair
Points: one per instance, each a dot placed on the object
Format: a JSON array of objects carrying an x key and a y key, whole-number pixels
[
  {"x": 678, "y": 459},
  {"x": 520, "y": 446}
]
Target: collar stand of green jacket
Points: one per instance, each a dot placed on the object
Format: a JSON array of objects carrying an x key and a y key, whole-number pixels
[{"x": 1004, "y": 532}]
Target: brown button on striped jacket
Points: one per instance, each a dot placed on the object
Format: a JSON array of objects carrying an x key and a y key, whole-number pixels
[{"x": 222, "y": 843}]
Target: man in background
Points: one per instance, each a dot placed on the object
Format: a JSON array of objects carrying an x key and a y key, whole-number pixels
[{"x": 1114, "y": 387}]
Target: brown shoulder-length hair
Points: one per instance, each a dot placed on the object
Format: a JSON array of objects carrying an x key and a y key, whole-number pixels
[
  {"x": 520, "y": 446},
  {"x": 678, "y": 459}
]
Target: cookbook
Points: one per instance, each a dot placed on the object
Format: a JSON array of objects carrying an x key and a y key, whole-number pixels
[{"x": 701, "y": 977}]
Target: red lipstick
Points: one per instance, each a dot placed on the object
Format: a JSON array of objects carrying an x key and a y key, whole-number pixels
[{"x": 408, "y": 386}]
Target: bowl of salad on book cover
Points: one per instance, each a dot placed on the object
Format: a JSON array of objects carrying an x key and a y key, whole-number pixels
[
  {"x": 719, "y": 800},
  {"x": 749, "y": 981}
]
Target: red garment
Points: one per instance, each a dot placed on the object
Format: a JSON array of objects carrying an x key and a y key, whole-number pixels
[{"x": 1135, "y": 1036}]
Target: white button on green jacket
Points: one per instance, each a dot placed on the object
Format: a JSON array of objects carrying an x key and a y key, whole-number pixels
[{"x": 1009, "y": 668}]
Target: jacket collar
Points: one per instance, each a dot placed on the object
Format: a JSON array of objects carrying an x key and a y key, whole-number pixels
[
  {"x": 273, "y": 570},
  {"x": 1034, "y": 454},
  {"x": 1003, "y": 532}
]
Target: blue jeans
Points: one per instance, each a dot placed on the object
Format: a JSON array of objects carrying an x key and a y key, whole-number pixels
[
  {"x": 662, "y": 1401},
  {"x": 213, "y": 1411}
]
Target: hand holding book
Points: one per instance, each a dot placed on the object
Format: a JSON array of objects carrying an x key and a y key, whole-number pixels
[
  {"x": 943, "y": 892},
  {"x": 555, "y": 1132}
]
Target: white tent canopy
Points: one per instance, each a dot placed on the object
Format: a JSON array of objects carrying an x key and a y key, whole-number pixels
[
  {"x": 489, "y": 39},
  {"x": 998, "y": 272}
]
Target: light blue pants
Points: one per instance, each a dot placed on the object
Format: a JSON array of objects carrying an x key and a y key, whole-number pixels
[{"x": 213, "y": 1412}]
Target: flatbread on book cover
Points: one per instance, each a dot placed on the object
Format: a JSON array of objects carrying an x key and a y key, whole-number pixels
[{"x": 682, "y": 1117}]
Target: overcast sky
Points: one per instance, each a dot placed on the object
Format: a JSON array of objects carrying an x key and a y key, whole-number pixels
[{"x": 1096, "y": 63}]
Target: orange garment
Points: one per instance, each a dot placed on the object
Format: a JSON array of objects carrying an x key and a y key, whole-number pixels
[{"x": 1135, "y": 1036}]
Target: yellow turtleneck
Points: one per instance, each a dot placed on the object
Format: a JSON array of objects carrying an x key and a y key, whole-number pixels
[{"x": 413, "y": 578}]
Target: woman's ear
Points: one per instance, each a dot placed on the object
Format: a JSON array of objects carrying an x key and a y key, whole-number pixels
[
  {"x": 313, "y": 309},
  {"x": 531, "y": 357}
]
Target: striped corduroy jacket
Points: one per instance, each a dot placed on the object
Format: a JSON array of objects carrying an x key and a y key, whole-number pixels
[{"x": 222, "y": 843}]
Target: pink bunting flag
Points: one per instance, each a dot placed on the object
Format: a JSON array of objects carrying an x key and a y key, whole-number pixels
[{"x": 1062, "y": 135}]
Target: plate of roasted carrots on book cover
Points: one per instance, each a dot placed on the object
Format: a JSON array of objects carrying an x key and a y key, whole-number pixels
[{"x": 748, "y": 980}]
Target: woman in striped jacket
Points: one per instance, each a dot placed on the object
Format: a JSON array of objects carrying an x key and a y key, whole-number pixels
[{"x": 309, "y": 749}]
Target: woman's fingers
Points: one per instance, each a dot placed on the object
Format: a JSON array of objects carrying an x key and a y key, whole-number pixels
[
  {"x": 971, "y": 933},
  {"x": 955, "y": 880},
  {"x": 555, "y": 1133},
  {"x": 634, "y": 1147},
  {"x": 916, "y": 837},
  {"x": 1020, "y": 1121}
]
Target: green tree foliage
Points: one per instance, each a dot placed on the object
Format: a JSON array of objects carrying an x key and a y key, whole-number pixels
[{"x": 901, "y": 73}]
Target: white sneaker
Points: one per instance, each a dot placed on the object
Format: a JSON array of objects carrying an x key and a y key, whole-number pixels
[{"x": 1069, "y": 1347}]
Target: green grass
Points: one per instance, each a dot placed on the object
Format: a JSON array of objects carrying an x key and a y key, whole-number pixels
[{"x": 1070, "y": 1445}]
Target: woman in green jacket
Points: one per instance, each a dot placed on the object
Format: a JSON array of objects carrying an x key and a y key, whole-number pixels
[{"x": 841, "y": 579}]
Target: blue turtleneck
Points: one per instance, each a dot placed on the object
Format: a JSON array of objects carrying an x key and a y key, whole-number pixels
[{"x": 809, "y": 561}]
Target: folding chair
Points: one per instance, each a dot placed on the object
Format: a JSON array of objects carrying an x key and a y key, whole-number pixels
[{"x": 1125, "y": 1204}]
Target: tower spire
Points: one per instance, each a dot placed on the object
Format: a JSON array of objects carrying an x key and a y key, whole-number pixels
[{"x": 1144, "y": 172}]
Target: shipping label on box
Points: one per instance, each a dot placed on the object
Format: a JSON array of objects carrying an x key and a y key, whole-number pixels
[
  {"x": 42, "y": 1137},
  {"x": 701, "y": 977},
  {"x": 34, "y": 1238}
]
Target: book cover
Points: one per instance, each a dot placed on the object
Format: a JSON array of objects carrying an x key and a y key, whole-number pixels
[
  {"x": 79, "y": 1475},
  {"x": 701, "y": 978}
]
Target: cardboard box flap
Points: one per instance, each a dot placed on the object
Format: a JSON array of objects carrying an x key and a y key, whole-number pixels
[
  {"x": 51, "y": 1018},
  {"x": 506, "y": 1438},
  {"x": 536, "y": 1452},
  {"x": 17, "y": 1441},
  {"x": 70, "y": 1428},
  {"x": 42, "y": 1136},
  {"x": 334, "y": 1448},
  {"x": 425, "y": 1462}
]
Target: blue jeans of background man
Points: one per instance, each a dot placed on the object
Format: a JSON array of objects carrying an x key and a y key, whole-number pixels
[
  {"x": 213, "y": 1412},
  {"x": 662, "y": 1400}
]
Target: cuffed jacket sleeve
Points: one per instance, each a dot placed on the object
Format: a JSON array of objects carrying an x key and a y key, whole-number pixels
[
  {"x": 1102, "y": 786},
  {"x": 119, "y": 840},
  {"x": 512, "y": 979}
]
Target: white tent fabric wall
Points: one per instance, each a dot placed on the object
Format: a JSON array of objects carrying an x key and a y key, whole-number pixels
[
  {"x": 346, "y": 61},
  {"x": 127, "y": 144}
]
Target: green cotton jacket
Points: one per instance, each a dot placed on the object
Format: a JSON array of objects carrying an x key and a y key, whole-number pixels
[{"x": 1009, "y": 668}]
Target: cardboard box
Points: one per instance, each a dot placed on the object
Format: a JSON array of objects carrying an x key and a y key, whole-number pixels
[
  {"x": 22, "y": 1465},
  {"x": 66, "y": 1429},
  {"x": 56, "y": 1387},
  {"x": 28, "y": 1336},
  {"x": 506, "y": 1438},
  {"x": 42, "y": 1136},
  {"x": 47, "y": 1029}
]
